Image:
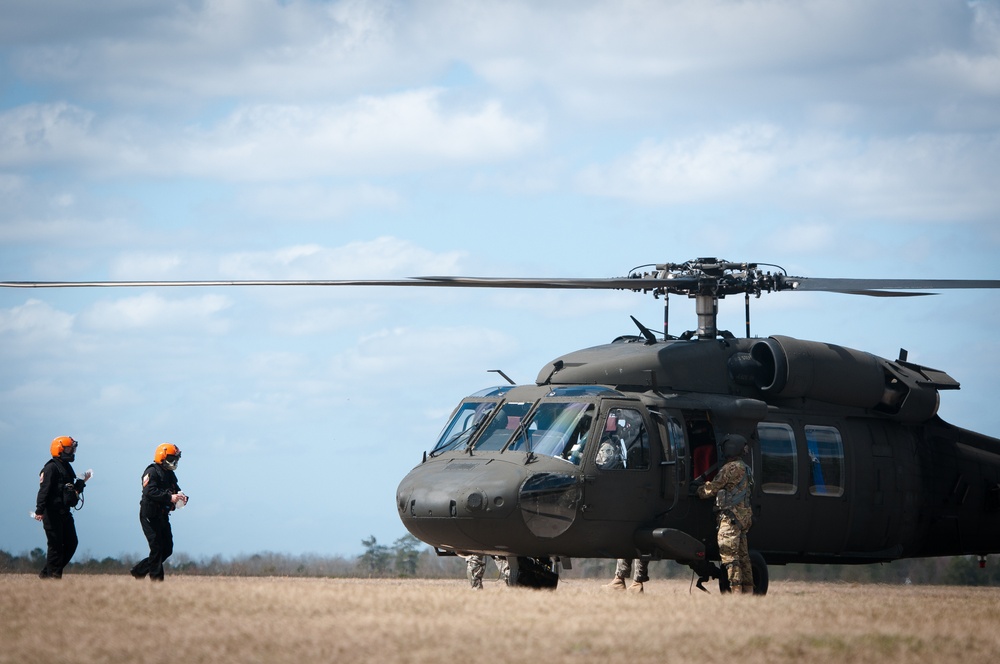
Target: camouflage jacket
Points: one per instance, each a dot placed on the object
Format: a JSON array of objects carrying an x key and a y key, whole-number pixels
[{"x": 736, "y": 480}]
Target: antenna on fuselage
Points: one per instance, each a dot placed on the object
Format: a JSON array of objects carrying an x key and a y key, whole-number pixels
[{"x": 506, "y": 377}]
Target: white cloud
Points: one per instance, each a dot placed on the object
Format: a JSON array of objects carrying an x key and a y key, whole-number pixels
[
  {"x": 914, "y": 177},
  {"x": 151, "y": 311},
  {"x": 411, "y": 355},
  {"x": 151, "y": 266},
  {"x": 36, "y": 320},
  {"x": 315, "y": 202},
  {"x": 382, "y": 258},
  {"x": 398, "y": 133},
  {"x": 40, "y": 133},
  {"x": 740, "y": 160}
]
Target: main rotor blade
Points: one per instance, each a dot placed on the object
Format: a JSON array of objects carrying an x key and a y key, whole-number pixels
[
  {"x": 620, "y": 283},
  {"x": 614, "y": 283},
  {"x": 882, "y": 287},
  {"x": 185, "y": 284},
  {"x": 682, "y": 284}
]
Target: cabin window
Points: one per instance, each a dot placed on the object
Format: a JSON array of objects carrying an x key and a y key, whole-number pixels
[
  {"x": 826, "y": 461},
  {"x": 463, "y": 425},
  {"x": 778, "y": 465},
  {"x": 624, "y": 441}
]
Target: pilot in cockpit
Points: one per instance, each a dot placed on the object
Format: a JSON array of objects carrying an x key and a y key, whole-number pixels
[{"x": 612, "y": 453}]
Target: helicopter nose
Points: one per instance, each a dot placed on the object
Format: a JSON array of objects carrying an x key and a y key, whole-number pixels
[
  {"x": 473, "y": 505},
  {"x": 460, "y": 504}
]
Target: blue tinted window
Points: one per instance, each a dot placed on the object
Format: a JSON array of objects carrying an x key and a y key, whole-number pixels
[{"x": 778, "y": 460}]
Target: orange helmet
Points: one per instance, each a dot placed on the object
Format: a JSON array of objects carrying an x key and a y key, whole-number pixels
[
  {"x": 63, "y": 447},
  {"x": 167, "y": 455}
]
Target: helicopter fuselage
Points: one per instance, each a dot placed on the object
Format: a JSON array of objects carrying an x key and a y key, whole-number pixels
[{"x": 601, "y": 458}]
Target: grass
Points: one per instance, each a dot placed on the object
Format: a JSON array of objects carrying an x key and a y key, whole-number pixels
[{"x": 190, "y": 620}]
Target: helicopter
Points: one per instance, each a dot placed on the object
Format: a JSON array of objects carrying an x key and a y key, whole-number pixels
[{"x": 851, "y": 463}]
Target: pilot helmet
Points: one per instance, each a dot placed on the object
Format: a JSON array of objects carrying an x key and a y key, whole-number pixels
[
  {"x": 63, "y": 447},
  {"x": 167, "y": 455}
]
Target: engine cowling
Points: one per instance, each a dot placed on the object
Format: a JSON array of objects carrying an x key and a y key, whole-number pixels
[{"x": 791, "y": 368}]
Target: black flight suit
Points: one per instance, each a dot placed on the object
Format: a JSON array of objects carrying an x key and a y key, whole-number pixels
[
  {"x": 58, "y": 491},
  {"x": 158, "y": 484}
]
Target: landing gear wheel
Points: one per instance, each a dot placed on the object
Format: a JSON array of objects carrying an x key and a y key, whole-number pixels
[
  {"x": 532, "y": 573},
  {"x": 760, "y": 577},
  {"x": 759, "y": 573}
]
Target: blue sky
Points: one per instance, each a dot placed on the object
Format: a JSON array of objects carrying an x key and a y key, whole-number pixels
[{"x": 244, "y": 139}]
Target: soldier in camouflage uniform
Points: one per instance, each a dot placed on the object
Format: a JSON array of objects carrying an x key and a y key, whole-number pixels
[
  {"x": 476, "y": 567},
  {"x": 731, "y": 489},
  {"x": 623, "y": 570}
]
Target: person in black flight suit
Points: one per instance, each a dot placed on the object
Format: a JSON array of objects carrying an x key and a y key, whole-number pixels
[
  {"x": 58, "y": 492},
  {"x": 161, "y": 495}
]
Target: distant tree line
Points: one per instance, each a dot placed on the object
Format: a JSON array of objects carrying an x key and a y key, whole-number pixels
[{"x": 408, "y": 557}]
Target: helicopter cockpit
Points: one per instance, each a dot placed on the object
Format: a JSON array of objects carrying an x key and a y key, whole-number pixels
[
  {"x": 558, "y": 425},
  {"x": 558, "y": 456}
]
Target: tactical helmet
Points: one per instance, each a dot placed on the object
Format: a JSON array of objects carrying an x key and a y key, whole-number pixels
[
  {"x": 733, "y": 444},
  {"x": 63, "y": 447},
  {"x": 167, "y": 455}
]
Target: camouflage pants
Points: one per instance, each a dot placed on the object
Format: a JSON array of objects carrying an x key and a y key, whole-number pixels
[
  {"x": 623, "y": 569},
  {"x": 733, "y": 551},
  {"x": 476, "y": 567}
]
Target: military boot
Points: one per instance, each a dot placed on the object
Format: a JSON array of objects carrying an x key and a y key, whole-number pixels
[
  {"x": 617, "y": 584},
  {"x": 636, "y": 587}
]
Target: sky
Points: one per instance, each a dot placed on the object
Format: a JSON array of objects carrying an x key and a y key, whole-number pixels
[{"x": 254, "y": 139}]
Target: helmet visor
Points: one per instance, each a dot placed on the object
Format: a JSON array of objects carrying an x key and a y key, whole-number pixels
[{"x": 171, "y": 460}]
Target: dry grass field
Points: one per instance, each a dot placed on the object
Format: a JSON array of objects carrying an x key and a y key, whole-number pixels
[{"x": 190, "y": 620}]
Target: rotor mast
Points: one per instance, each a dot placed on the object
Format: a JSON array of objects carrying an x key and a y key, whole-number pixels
[
  {"x": 707, "y": 309},
  {"x": 706, "y": 280}
]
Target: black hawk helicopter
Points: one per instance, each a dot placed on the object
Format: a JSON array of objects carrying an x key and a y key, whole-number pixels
[{"x": 851, "y": 462}]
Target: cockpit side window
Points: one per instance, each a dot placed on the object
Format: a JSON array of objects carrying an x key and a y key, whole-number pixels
[
  {"x": 464, "y": 423},
  {"x": 674, "y": 444},
  {"x": 624, "y": 441},
  {"x": 559, "y": 429}
]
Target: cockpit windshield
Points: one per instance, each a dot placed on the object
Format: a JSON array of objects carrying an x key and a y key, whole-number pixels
[
  {"x": 466, "y": 421},
  {"x": 557, "y": 429},
  {"x": 506, "y": 423}
]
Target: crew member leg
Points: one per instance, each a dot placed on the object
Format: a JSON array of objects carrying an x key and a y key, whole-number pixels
[
  {"x": 503, "y": 567},
  {"x": 746, "y": 569},
  {"x": 61, "y": 540},
  {"x": 729, "y": 546},
  {"x": 161, "y": 545},
  {"x": 474, "y": 569},
  {"x": 623, "y": 570},
  {"x": 141, "y": 568},
  {"x": 641, "y": 575}
]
